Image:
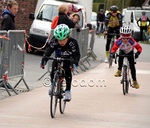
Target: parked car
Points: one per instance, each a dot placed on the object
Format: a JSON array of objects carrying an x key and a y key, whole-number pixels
[{"x": 94, "y": 19}]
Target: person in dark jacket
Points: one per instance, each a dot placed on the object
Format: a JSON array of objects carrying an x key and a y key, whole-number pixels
[
  {"x": 63, "y": 18},
  {"x": 8, "y": 16},
  {"x": 64, "y": 46},
  {"x": 100, "y": 21}
]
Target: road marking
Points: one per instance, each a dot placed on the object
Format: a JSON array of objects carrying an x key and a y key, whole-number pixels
[{"x": 143, "y": 71}]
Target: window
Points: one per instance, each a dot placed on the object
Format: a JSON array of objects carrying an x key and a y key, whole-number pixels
[
  {"x": 47, "y": 12},
  {"x": 139, "y": 14}
]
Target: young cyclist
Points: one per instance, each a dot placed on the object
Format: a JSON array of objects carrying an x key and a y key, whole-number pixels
[
  {"x": 65, "y": 46},
  {"x": 126, "y": 45}
]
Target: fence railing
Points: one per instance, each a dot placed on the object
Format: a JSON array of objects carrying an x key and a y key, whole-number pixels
[{"x": 12, "y": 58}]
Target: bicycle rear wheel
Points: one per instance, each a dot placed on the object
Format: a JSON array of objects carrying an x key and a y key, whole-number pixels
[
  {"x": 125, "y": 84},
  {"x": 54, "y": 97}
]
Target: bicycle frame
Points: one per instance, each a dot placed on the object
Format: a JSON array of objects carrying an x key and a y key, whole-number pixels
[{"x": 110, "y": 59}]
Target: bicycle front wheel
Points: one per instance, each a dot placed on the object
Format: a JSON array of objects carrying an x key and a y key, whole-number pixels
[
  {"x": 125, "y": 83},
  {"x": 53, "y": 96},
  {"x": 110, "y": 61},
  {"x": 62, "y": 103}
]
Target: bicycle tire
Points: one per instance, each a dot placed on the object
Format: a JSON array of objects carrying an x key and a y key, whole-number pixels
[
  {"x": 110, "y": 61},
  {"x": 54, "y": 97},
  {"x": 124, "y": 80},
  {"x": 62, "y": 103},
  {"x": 127, "y": 86}
]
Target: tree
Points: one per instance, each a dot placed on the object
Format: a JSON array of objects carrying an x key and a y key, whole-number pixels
[{"x": 137, "y": 3}]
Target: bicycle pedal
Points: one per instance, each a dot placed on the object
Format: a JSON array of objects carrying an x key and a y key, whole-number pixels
[{"x": 67, "y": 100}]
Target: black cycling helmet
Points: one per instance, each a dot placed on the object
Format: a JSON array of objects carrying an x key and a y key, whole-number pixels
[
  {"x": 114, "y": 8},
  {"x": 143, "y": 12}
]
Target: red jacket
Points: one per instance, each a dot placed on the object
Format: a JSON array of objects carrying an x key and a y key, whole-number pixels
[{"x": 126, "y": 47}]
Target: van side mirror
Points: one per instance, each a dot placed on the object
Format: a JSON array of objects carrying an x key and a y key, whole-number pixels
[
  {"x": 132, "y": 17},
  {"x": 31, "y": 16}
]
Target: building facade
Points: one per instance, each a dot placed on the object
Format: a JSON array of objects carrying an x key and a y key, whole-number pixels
[{"x": 22, "y": 20}]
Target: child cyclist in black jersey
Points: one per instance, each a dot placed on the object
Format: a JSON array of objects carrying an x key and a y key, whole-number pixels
[
  {"x": 126, "y": 45},
  {"x": 63, "y": 45}
]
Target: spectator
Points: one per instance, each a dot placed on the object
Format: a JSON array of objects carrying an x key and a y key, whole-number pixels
[
  {"x": 8, "y": 16},
  {"x": 100, "y": 21},
  {"x": 62, "y": 17},
  {"x": 72, "y": 9},
  {"x": 143, "y": 24},
  {"x": 76, "y": 20}
]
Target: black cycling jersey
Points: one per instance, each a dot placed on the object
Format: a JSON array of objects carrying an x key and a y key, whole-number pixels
[{"x": 71, "y": 49}]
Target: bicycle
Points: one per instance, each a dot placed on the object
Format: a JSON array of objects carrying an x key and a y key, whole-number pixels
[
  {"x": 126, "y": 76},
  {"x": 110, "y": 58},
  {"x": 56, "y": 90}
]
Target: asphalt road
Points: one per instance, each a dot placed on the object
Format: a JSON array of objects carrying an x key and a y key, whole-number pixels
[{"x": 100, "y": 104}]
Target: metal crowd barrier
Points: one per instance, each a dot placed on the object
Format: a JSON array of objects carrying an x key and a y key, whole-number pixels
[
  {"x": 90, "y": 51},
  {"x": 86, "y": 45},
  {"x": 12, "y": 58}
]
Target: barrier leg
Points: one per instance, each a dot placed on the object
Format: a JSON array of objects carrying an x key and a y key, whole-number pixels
[
  {"x": 83, "y": 65},
  {"x": 81, "y": 68},
  {"x": 44, "y": 75},
  {"x": 7, "y": 86},
  {"x": 24, "y": 83}
]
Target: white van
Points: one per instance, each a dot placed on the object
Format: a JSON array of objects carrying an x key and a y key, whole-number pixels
[
  {"x": 41, "y": 25},
  {"x": 94, "y": 19},
  {"x": 131, "y": 15}
]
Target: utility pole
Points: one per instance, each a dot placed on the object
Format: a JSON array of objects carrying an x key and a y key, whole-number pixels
[
  {"x": 122, "y": 5},
  {"x": 105, "y": 3}
]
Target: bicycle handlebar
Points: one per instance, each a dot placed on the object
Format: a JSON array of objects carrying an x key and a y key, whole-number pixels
[
  {"x": 124, "y": 55},
  {"x": 113, "y": 34},
  {"x": 60, "y": 59}
]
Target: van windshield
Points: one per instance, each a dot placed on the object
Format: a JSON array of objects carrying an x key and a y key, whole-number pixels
[
  {"x": 139, "y": 14},
  {"x": 48, "y": 12}
]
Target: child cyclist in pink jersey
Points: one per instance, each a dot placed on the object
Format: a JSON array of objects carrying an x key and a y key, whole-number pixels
[{"x": 126, "y": 44}]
